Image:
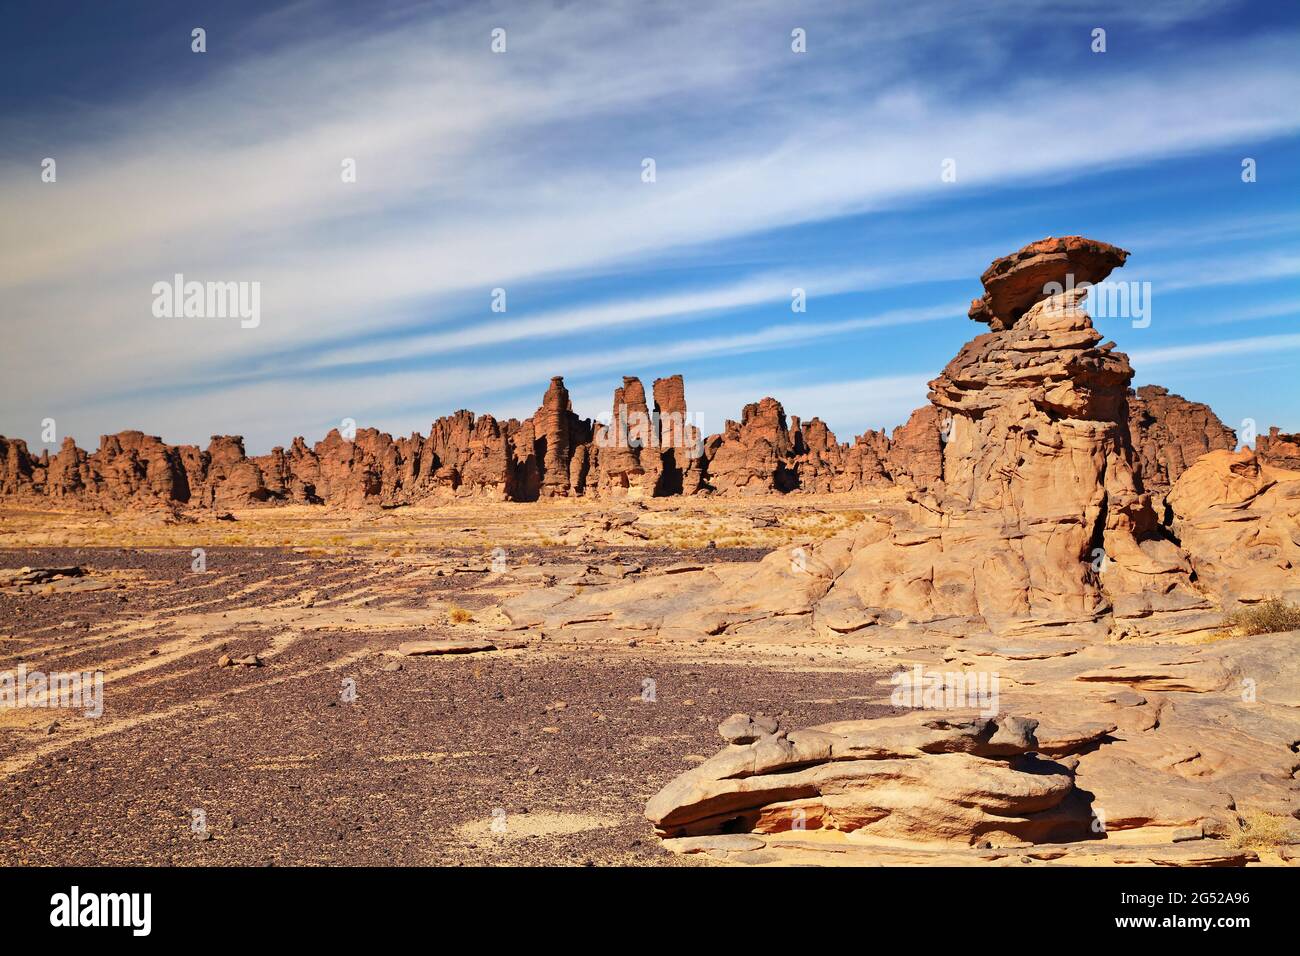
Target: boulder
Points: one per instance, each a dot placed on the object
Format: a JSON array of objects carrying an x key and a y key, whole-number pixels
[
  {"x": 922, "y": 778},
  {"x": 1017, "y": 281}
]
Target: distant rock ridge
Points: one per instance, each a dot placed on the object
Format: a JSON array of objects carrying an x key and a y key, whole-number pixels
[
  {"x": 650, "y": 449},
  {"x": 1279, "y": 450},
  {"x": 1169, "y": 433}
]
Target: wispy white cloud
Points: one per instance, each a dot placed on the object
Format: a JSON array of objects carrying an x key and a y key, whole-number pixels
[
  {"x": 1277, "y": 309},
  {"x": 478, "y": 171},
  {"x": 605, "y": 316},
  {"x": 1233, "y": 270},
  {"x": 258, "y": 409},
  {"x": 1145, "y": 358}
]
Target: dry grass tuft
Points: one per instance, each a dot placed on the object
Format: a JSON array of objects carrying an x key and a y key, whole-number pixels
[
  {"x": 1262, "y": 831},
  {"x": 1270, "y": 617},
  {"x": 458, "y": 615}
]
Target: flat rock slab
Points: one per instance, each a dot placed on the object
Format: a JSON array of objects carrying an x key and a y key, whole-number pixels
[
  {"x": 787, "y": 849},
  {"x": 1036, "y": 651},
  {"x": 450, "y": 646},
  {"x": 685, "y": 567},
  {"x": 724, "y": 842}
]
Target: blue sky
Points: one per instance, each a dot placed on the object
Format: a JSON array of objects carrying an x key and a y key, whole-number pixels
[{"x": 522, "y": 170}]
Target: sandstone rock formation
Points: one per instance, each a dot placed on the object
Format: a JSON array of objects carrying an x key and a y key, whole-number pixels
[
  {"x": 557, "y": 432},
  {"x": 1015, "y": 282},
  {"x": 464, "y": 455},
  {"x": 1125, "y": 754},
  {"x": 751, "y": 456},
  {"x": 1239, "y": 520},
  {"x": 941, "y": 779},
  {"x": 680, "y": 442},
  {"x": 1169, "y": 433},
  {"x": 1026, "y": 515},
  {"x": 650, "y": 448},
  {"x": 1279, "y": 450},
  {"x": 647, "y": 451}
]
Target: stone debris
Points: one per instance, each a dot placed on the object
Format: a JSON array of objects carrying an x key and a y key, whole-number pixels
[{"x": 61, "y": 580}]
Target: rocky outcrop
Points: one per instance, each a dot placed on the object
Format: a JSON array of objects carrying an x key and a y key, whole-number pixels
[
  {"x": 630, "y": 461},
  {"x": 1239, "y": 519},
  {"x": 761, "y": 455},
  {"x": 752, "y": 456},
  {"x": 464, "y": 455},
  {"x": 918, "y": 777},
  {"x": 648, "y": 451},
  {"x": 819, "y": 460},
  {"x": 1041, "y": 479},
  {"x": 1025, "y": 514},
  {"x": 1042, "y": 520},
  {"x": 1169, "y": 433},
  {"x": 1094, "y": 754},
  {"x": 16, "y": 467},
  {"x": 649, "y": 448},
  {"x": 557, "y": 432},
  {"x": 915, "y": 454},
  {"x": 1015, "y": 282},
  {"x": 680, "y": 443},
  {"x": 1279, "y": 450}
]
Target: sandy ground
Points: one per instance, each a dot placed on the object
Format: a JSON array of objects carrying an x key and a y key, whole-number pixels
[{"x": 539, "y": 752}]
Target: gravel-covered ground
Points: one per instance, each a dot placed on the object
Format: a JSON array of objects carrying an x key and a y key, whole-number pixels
[{"x": 542, "y": 753}]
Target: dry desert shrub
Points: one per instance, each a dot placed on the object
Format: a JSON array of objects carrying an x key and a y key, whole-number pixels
[
  {"x": 458, "y": 615},
  {"x": 1262, "y": 831},
  {"x": 1269, "y": 617}
]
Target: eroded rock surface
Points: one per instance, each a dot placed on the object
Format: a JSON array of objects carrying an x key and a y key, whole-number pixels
[
  {"x": 1125, "y": 755},
  {"x": 1279, "y": 450},
  {"x": 649, "y": 448},
  {"x": 1239, "y": 520},
  {"x": 1169, "y": 434},
  {"x": 933, "y": 778},
  {"x": 1015, "y": 282}
]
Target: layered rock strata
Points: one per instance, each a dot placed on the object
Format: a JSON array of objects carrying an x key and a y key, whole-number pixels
[{"x": 1097, "y": 754}]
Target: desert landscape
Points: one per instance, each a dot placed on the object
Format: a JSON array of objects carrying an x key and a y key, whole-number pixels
[{"x": 1049, "y": 621}]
